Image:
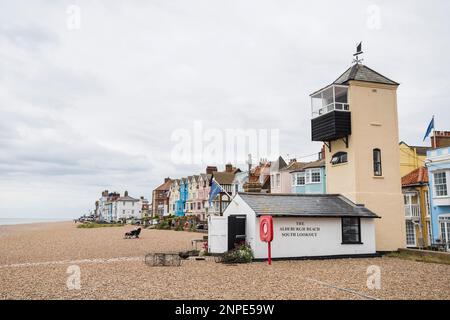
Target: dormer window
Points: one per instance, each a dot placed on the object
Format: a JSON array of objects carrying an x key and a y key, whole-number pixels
[{"x": 338, "y": 158}]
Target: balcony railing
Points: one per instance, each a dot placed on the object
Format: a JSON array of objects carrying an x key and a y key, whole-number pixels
[
  {"x": 331, "y": 107},
  {"x": 412, "y": 211}
]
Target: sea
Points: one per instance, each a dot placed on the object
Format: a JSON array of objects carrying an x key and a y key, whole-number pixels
[{"x": 11, "y": 221}]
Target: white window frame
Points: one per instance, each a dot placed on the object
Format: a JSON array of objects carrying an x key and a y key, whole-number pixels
[
  {"x": 446, "y": 184},
  {"x": 300, "y": 175},
  {"x": 278, "y": 179},
  {"x": 309, "y": 173}
]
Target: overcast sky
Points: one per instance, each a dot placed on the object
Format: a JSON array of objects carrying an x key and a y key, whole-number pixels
[{"x": 90, "y": 104}]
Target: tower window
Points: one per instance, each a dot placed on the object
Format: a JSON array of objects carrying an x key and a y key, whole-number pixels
[
  {"x": 340, "y": 157},
  {"x": 377, "y": 163}
]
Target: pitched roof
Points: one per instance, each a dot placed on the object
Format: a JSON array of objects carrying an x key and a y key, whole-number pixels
[
  {"x": 294, "y": 166},
  {"x": 360, "y": 72},
  {"x": 224, "y": 177},
  {"x": 165, "y": 186},
  {"x": 309, "y": 165},
  {"x": 300, "y": 205},
  {"x": 416, "y": 177},
  {"x": 278, "y": 164},
  {"x": 127, "y": 198}
]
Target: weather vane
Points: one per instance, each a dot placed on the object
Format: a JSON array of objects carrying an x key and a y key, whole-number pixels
[{"x": 358, "y": 52}]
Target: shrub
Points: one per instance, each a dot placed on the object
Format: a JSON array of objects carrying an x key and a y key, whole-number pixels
[
  {"x": 241, "y": 254},
  {"x": 90, "y": 225},
  {"x": 164, "y": 225}
]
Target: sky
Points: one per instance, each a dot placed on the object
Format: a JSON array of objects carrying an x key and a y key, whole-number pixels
[{"x": 93, "y": 94}]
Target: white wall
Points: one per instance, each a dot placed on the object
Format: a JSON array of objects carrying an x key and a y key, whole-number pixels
[
  {"x": 326, "y": 242},
  {"x": 327, "y": 239},
  {"x": 129, "y": 208}
]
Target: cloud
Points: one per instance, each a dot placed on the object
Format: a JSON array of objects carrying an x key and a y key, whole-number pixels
[{"x": 82, "y": 110}]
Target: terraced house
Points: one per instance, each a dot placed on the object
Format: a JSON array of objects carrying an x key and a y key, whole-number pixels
[
  {"x": 438, "y": 164},
  {"x": 309, "y": 178},
  {"x": 160, "y": 199}
]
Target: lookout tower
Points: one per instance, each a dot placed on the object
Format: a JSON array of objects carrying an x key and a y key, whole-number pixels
[{"x": 356, "y": 118}]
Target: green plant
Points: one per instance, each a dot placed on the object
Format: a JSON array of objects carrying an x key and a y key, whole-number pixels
[
  {"x": 91, "y": 225},
  {"x": 241, "y": 254},
  {"x": 163, "y": 225}
]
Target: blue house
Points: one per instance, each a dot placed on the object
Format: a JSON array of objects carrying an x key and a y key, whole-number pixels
[
  {"x": 309, "y": 178},
  {"x": 180, "y": 205},
  {"x": 438, "y": 164}
]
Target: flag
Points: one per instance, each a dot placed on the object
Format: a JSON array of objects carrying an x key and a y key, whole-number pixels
[
  {"x": 429, "y": 129},
  {"x": 214, "y": 191}
]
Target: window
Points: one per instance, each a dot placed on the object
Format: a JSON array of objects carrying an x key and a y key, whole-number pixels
[
  {"x": 278, "y": 179},
  {"x": 377, "y": 163},
  {"x": 300, "y": 177},
  {"x": 410, "y": 234},
  {"x": 315, "y": 176},
  {"x": 340, "y": 157},
  {"x": 351, "y": 231},
  {"x": 440, "y": 184}
]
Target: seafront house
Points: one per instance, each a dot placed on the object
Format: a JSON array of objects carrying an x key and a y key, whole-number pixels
[
  {"x": 105, "y": 205},
  {"x": 277, "y": 184},
  {"x": 417, "y": 212},
  {"x": 201, "y": 209},
  {"x": 225, "y": 179},
  {"x": 356, "y": 118},
  {"x": 411, "y": 157},
  {"x": 181, "y": 203},
  {"x": 127, "y": 208},
  {"x": 438, "y": 164},
  {"x": 261, "y": 174},
  {"x": 309, "y": 178},
  {"x": 174, "y": 196},
  {"x": 160, "y": 199},
  {"x": 239, "y": 180},
  {"x": 191, "y": 203}
]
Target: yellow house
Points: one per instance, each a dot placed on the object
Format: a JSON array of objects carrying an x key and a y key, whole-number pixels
[
  {"x": 411, "y": 158},
  {"x": 417, "y": 210},
  {"x": 415, "y": 194}
]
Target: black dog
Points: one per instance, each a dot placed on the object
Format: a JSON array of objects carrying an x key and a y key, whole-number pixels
[{"x": 133, "y": 234}]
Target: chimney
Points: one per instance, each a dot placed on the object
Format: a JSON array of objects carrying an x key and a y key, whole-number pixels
[
  {"x": 126, "y": 194},
  {"x": 166, "y": 180},
  {"x": 105, "y": 193},
  {"x": 291, "y": 161},
  {"x": 440, "y": 139},
  {"x": 210, "y": 169},
  {"x": 228, "y": 167}
]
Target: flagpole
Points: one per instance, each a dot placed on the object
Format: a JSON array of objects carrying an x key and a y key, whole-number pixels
[{"x": 434, "y": 132}]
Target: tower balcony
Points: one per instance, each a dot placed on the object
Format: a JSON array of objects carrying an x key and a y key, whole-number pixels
[{"x": 330, "y": 112}]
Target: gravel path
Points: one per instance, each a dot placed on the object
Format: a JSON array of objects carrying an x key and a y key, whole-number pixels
[{"x": 34, "y": 261}]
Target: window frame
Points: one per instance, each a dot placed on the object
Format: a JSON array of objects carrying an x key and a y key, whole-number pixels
[
  {"x": 444, "y": 184},
  {"x": 298, "y": 175},
  {"x": 376, "y": 163},
  {"x": 347, "y": 242},
  {"x": 340, "y": 156}
]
